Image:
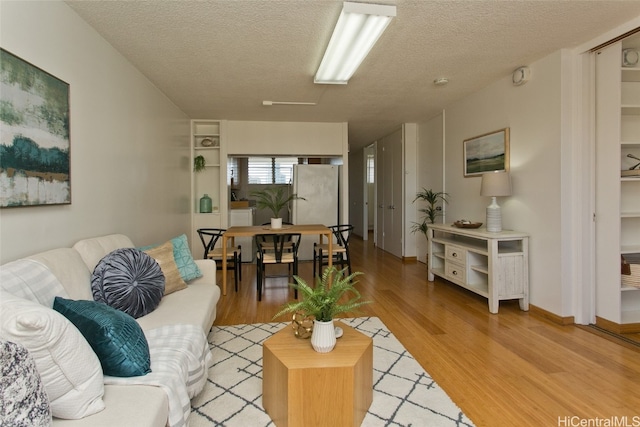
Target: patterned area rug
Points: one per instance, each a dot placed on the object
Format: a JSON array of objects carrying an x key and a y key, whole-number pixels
[{"x": 403, "y": 393}]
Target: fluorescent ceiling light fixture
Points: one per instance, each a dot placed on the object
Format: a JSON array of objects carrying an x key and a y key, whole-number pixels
[
  {"x": 270, "y": 103},
  {"x": 359, "y": 27}
]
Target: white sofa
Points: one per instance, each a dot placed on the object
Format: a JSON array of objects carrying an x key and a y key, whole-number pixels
[{"x": 134, "y": 405}]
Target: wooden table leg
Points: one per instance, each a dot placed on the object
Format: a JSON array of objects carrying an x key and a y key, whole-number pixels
[
  {"x": 330, "y": 246},
  {"x": 224, "y": 264}
]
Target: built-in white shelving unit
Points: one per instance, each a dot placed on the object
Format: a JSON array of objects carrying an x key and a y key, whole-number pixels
[
  {"x": 207, "y": 140},
  {"x": 617, "y": 193}
]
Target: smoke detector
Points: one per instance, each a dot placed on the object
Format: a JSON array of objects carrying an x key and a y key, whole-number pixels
[{"x": 521, "y": 76}]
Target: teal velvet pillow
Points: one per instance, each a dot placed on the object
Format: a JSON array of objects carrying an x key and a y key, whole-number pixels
[
  {"x": 114, "y": 336},
  {"x": 182, "y": 255}
]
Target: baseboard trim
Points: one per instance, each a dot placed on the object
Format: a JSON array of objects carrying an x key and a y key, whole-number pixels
[
  {"x": 560, "y": 320},
  {"x": 626, "y": 328}
]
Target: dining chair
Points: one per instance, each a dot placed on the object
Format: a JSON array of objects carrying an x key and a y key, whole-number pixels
[
  {"x": 209, "y": 238},
  {"x": 340, "y": 249},
  {"x": 276, "y": 249},
  {"x": 288, "y": 244}
]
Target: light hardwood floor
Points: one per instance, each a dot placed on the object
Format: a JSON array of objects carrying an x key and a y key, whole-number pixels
[{"x": 509, "y": 369}]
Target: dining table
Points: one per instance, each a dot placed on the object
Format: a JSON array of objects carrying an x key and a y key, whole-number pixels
[{"x": 254, "y": 230}]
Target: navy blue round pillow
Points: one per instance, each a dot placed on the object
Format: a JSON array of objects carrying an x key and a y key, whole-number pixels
[{"x": 128, "y": 280}]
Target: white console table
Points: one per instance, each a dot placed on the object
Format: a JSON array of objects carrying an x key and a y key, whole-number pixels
[{"x": 494, "y": 265}]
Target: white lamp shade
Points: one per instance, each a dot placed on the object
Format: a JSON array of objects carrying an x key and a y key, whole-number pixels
[{"x": 496, "y": 184}]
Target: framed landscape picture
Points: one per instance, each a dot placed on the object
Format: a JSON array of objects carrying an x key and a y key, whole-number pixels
[
  {"x": 34, "y": 135},
  {"x": 486, "y": 153}
]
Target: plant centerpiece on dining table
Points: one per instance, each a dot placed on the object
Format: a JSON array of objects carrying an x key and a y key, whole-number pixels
[
  {"x": 324, "y": 302},
  {"x": 274, "y": 199}
]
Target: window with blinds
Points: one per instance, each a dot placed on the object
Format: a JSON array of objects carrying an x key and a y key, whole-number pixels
[
  {"x": 271, "y": 170},
  {"x": 371, "y": 177}
]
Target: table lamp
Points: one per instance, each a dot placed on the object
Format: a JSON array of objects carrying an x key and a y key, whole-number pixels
[{"x": 495, "y": 184}]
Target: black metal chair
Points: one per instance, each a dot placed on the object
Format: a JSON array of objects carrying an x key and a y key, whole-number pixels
[
  {"x": 340, "y": 249},
  {"x": 209, "y": 238},
  {"x": 276, "y": 249}
]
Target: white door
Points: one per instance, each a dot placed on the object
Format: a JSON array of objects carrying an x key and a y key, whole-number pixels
[
  {"x": 390, "y": 211},
  {"x": 397, "y": 211},
  {"x": 380, "y": 199}
]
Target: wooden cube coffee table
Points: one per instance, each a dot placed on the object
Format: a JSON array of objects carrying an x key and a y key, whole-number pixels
[{"x": 303, "y": 388}]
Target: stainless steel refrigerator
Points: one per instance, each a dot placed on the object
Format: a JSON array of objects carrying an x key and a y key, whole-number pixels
[{"x": 319, "y": 186}]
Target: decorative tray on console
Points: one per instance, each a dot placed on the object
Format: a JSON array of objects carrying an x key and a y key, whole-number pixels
[{"x": 467, "y": 224}]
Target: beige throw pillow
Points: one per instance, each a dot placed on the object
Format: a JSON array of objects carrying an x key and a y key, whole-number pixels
[{"x": 163, "y": 255}]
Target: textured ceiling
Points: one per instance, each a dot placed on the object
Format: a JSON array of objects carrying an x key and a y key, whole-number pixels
[{"x": 220, "y": 59}]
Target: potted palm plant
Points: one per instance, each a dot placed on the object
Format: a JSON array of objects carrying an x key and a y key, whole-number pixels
[
  {"x": 274, "y": 199},
  {"x": 323, "y": 302},
  {"x": 432, "y": 211}
]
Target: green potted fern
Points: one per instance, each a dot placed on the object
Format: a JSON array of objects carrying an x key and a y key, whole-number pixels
[
  {"x": 274, "y": 199},
  {"x": 323, "y": 302}
]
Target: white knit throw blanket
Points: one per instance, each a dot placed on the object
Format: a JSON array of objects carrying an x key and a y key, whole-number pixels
[{"x": 180, "y": 358}]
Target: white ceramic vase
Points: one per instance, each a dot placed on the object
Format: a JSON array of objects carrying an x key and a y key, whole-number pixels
[
  {"x": 276, "y": 223},
  {"x": 323, "y": 337}
]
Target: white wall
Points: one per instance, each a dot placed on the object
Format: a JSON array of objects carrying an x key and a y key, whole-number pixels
[
  {"x": 534, "y": 113},
  {"x": 129, "y": 144},
  {"x": 430, "y": 171},
  {"x": 285, "y": 138},
  {"x": 293, "y": 138},
  {"x": 552, "y": 166}
]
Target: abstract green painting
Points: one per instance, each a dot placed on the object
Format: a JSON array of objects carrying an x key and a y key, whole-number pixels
[{"x": 34, "y": 135}]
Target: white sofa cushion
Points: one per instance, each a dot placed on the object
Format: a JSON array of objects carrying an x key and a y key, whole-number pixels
[
  {"x": 69, "y": 368},
  {"x": 67, "y": 265},
  {"x": 93, "y": 250},
  {"x": 127, "y": 405},
  {"x": 194, "y": 305},
  {"x": 32, "y": 280}
]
